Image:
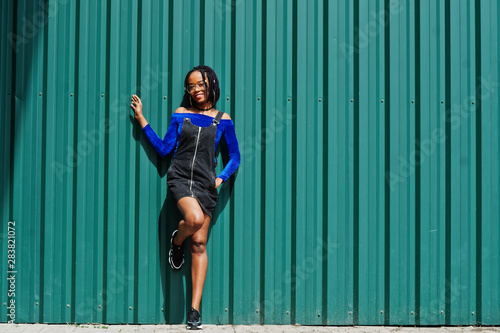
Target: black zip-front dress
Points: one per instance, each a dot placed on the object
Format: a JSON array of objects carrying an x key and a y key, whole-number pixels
[{"x": 192, "y": 172}]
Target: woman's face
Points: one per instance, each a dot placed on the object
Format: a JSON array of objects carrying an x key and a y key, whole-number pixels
[{"x": 196, "y": 88}]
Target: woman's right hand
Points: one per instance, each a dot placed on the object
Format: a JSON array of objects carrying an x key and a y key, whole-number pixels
[{"x": 137, "y": 107}]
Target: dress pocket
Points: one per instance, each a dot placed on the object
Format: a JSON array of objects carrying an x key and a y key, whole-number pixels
[{"x": 214, "y": 178}]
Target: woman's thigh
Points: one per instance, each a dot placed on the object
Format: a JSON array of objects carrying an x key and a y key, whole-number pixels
[{"x": 191, "y": 210}]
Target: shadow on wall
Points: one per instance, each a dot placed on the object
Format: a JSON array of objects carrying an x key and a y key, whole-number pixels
[
  {"x": 175, "y": 303},
  {"x": 23, "y": 25}
]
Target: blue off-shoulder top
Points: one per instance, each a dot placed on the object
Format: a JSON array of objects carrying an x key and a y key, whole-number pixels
[{"x": 171, "y": 139}]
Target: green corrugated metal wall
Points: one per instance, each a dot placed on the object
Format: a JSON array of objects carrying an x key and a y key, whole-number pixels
[{"x": 368, "y": 189}]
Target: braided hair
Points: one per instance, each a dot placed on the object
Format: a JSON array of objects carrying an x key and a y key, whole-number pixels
[{"x": 209, "y": 74}]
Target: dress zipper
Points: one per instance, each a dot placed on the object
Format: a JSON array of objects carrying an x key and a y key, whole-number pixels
[{"x": 192, "y": 164}]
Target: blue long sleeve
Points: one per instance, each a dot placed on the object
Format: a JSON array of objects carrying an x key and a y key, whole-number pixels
[
  {"x": 233, "y": 152},
  {"x": 165, "y": 146}
]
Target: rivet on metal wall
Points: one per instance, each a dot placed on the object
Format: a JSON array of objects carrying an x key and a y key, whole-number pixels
[
  {"x": 257, "y": 310},
  {"x": 352, "y": 100},
  {"x": 8, "y": 93},
  {"x": 319, "y": 315},
  {"x": 71, "y": 94},
  {"x": 161, "y": 309},
  {"x": 227, "y": 98},
  {"x": 4, "y": 304},
  {"x": 258, "y": 98},
  {"x": 39, "y": 94},
  {"x": 289, "y": 99},
  {"x": 381, "y": 311},
  {"x": 102, "y": 95},
  {"x": 350, "y": 313},
  {"x": 164, "y": 97},
  {"x": 225, "y": 309},
  {"x": 411, "y": 313},
  {"x": 288, "y": 312},
  {"x": 67, "y": 305},
  {"x": 381, "y": 101},
  {"x": 130, "y": 308},
  {"x": 472, "y": 313},
  {"x": 36, "y": 303},
  {"x": 442, "y": 311},
  {"x": 100, "y": 306},
  {"x": 412, "y": 101},
  {"x": 442, "y": 102},
  {"x": 473, "y": 102},
  {"x": 319, "y": 100}
]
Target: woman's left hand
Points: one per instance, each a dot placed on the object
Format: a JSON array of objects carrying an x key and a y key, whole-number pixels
[{"x": 218, "y": 181}]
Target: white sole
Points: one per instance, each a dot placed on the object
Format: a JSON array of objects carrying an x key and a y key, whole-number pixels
[{"x": 194, "y": 328}]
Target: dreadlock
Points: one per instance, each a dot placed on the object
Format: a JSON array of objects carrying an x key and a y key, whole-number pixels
[{"x": 206, "y": 73}]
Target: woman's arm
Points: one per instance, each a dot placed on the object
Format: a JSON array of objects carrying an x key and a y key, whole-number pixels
[
  {"x": 162, "y": 147},
  {"x": 233, "y": 152},
  {"x": 165, "y": 146}
]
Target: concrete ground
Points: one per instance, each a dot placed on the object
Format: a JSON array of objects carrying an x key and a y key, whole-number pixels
[{"x": 99, "y": 328}]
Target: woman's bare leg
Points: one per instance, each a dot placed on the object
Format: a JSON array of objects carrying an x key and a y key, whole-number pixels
[
  {"x": 195, "y": 224},
  {"x": 194, "y": 218},
  {"x": 199, "y": 261}
]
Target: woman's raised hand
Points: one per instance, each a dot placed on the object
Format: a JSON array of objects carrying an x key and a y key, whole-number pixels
[{"x": 137, "y": 107}]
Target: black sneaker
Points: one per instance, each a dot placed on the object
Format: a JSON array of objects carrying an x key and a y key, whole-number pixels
[
  {"x": 175, "y": 255},
  {"x": 194, "y": 320}
]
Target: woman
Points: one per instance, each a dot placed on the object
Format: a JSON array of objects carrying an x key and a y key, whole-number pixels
[{"x": 193, "y": 135}]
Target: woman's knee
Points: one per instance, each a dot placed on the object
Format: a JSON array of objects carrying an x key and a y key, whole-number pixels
[
  {"x": 198, "y": 245},
  {"x": 194, "y": 220}
]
